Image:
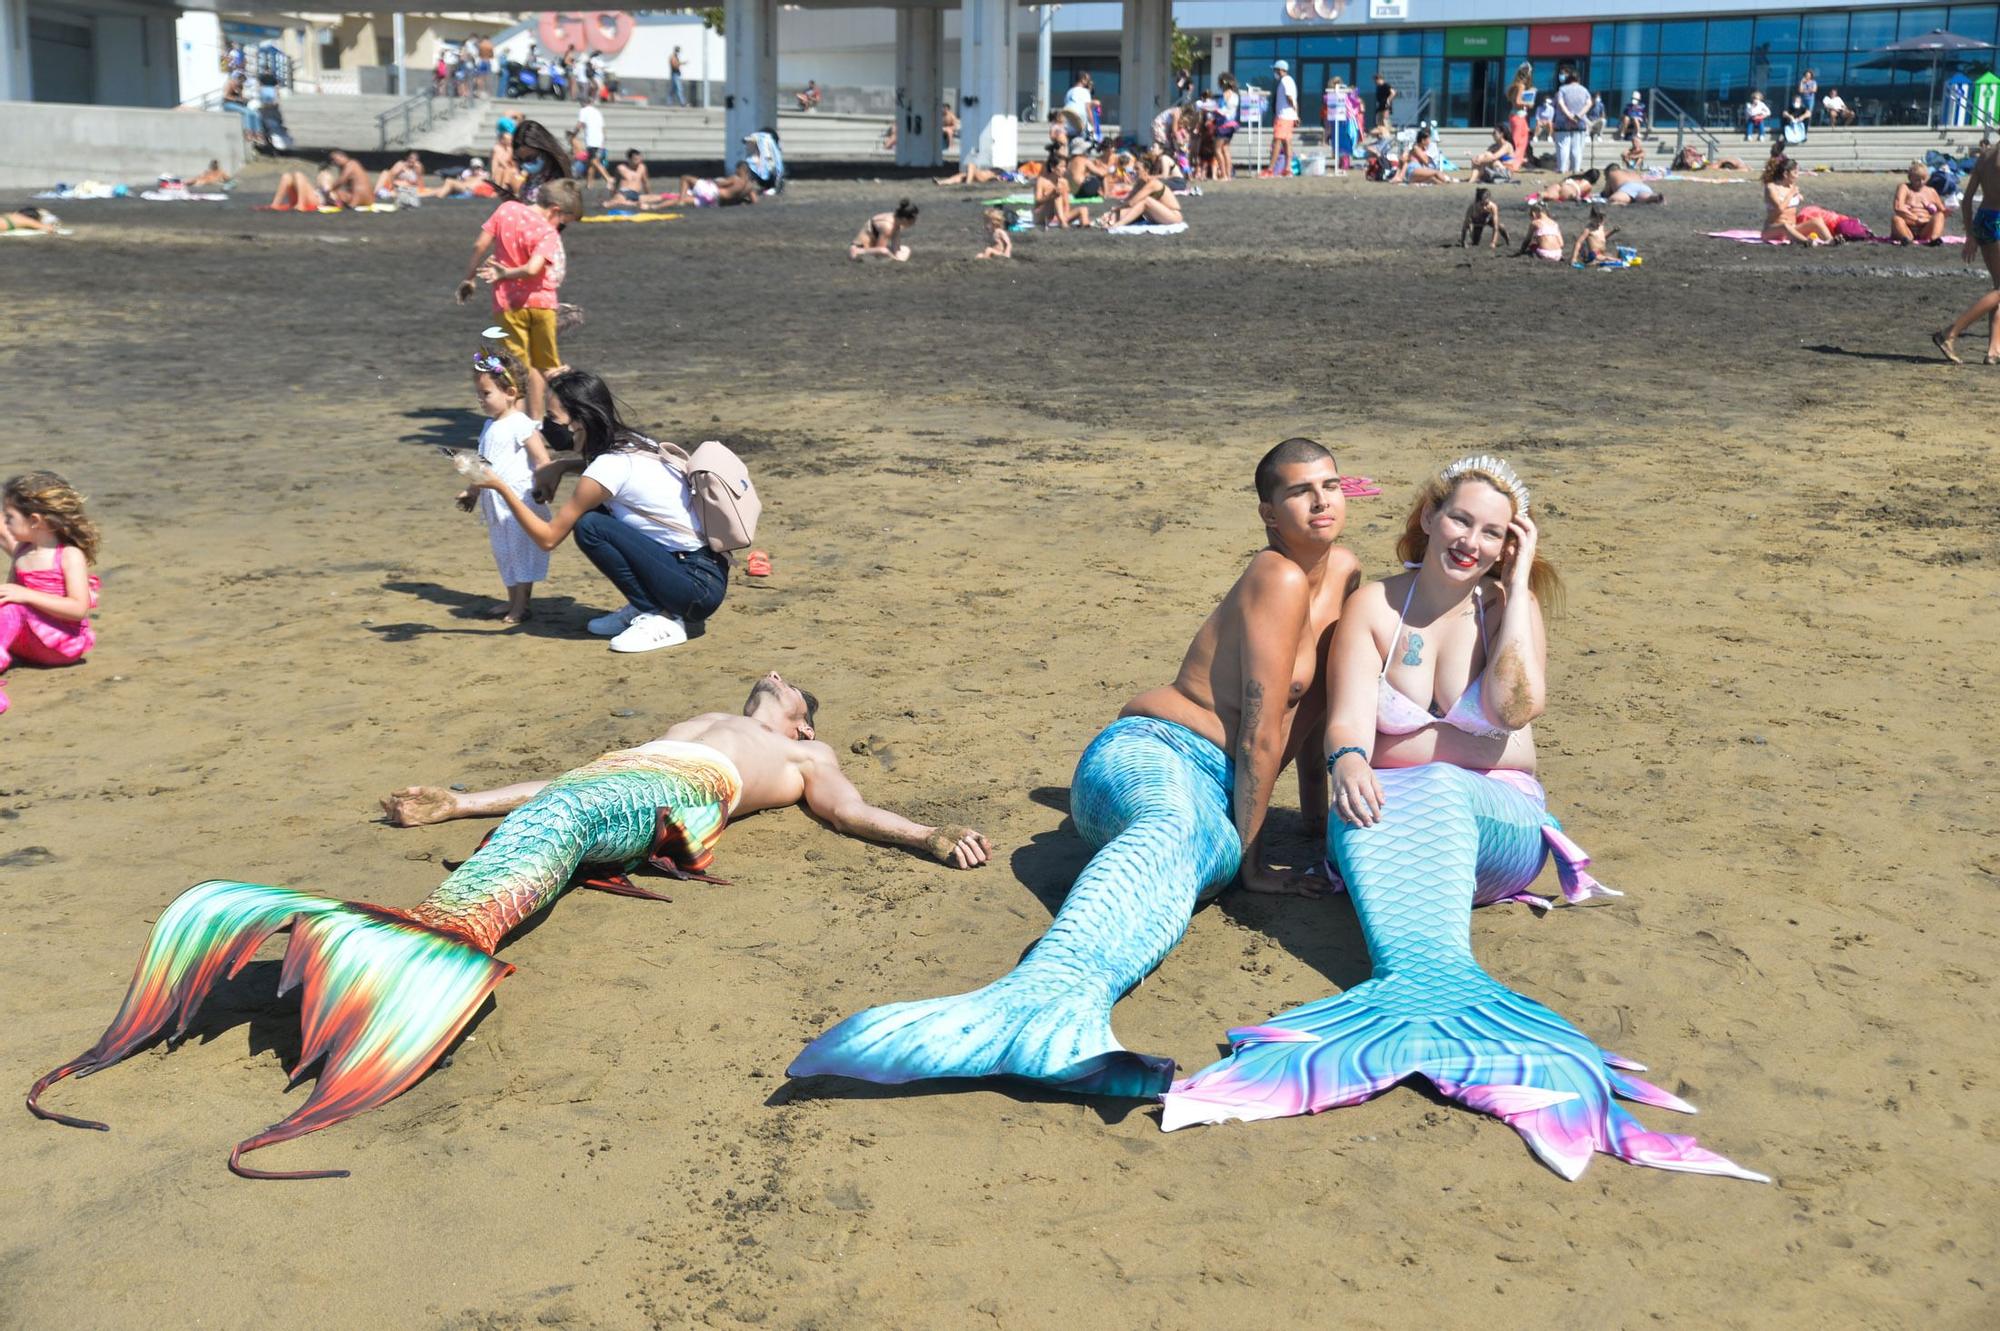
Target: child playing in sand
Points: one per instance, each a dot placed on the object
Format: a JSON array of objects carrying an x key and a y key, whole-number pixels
[
  {"x": 1545, "y": 238},
  {"x": 882, "y": 236},
  {"x": 1480, "y": 214},
  {"x": 999, "y": 245},
  {"x": 520, "y": 252},
  {"x": 1594, "y": 242},
  {"x": 51, "y": 589},
  {"x": 514, "y": 448}
]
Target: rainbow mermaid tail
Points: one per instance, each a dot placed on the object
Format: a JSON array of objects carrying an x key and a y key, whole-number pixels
[
  {"x": 1429, "y": 1009},
  {"x": 386, "y": 991},
  {"x": 1154, "y": 797}
]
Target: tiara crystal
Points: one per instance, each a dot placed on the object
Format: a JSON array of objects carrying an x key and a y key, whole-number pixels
[{"x": 1487, "y": 465}]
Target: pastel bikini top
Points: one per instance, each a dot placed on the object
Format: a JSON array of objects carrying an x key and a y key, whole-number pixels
[{"x": 1396, "y": 713}]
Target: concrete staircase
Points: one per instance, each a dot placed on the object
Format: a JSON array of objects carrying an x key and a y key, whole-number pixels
[{"x": 1886, "y": 149}]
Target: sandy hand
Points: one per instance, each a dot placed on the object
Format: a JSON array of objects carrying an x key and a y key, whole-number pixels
[
  {"x": 414, "y": 806},
  {"x": 960, "y": 847}
]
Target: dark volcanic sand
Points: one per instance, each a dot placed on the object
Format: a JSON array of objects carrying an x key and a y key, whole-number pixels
[{"x": 1000, "y": 497}]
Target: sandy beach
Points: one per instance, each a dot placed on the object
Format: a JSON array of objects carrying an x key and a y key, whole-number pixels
[{"x": 999, "y": 499}]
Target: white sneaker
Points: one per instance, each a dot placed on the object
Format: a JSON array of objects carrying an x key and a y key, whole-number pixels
[
  {"x": 650, "y": 633},
  {"x": 615, "y": 623}
]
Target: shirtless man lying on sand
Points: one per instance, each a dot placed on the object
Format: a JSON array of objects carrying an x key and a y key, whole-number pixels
[{"x": 773, "y": 748}]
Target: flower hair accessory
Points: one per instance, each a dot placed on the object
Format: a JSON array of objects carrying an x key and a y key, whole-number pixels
[
  {"x": 1486, "y": 465},
  {"x": 487, "y": 363}
]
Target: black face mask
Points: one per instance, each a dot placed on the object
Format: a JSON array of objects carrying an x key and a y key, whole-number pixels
[{"x": 558, "y": 435}]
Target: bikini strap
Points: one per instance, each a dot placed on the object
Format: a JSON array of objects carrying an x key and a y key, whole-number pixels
[{"x": 1402, "y": 618}]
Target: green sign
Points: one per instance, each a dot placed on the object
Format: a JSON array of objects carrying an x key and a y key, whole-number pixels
[
  {"x": 1986, "y": 99},
  {"x": 1475, "y": 41}
]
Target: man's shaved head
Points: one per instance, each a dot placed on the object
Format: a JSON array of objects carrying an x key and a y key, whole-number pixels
[{"x": 1293, "y": 451}]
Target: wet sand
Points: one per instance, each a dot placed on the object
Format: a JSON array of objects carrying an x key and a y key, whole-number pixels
[{"x": 999, "y": 499}]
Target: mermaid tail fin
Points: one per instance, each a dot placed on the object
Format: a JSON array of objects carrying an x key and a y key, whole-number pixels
[
  {"x": 1010, "y": 1028},
  {"x": 384, "y": 996},
  {"x": 209, "y": 931},
  {"x": 1500, "y": 1053}
]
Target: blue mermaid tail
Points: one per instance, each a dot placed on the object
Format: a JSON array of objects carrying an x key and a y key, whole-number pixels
[
  {"x": 1154, "y": 797},
  {"x": 1429, "y": 1009}
]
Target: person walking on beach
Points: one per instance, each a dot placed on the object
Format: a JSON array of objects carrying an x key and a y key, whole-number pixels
[
  {"x": 1572, "y": 117},
  {"x": 676, "y": 91},
  {"x": 520, "y": 252},
  {"x": 1385, "y": 101},
  {"x": 773, "y": 748},
  {"x": 1284, "y": 118},
  {"x": 1981, "y": 209}
]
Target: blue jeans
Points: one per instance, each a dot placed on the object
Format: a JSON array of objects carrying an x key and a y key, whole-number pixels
[
  {"x": 676, "y": 93},
  {"x": 687, "y": 584}
]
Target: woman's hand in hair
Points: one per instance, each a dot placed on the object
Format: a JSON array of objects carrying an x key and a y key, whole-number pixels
[{"x": 1522, "y": 537}]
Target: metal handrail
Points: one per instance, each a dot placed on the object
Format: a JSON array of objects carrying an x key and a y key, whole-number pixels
[
  {"x": 418, "y": 112},
  {"x": 1684, "y": 124},
  {"x": 1424, "y": 106}
]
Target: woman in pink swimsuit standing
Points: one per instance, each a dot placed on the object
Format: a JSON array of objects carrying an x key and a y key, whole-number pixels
[{"x": 51, "y": 588}]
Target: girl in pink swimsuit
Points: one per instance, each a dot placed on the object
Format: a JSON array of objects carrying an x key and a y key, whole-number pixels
[{"x": 50, "y": 589}]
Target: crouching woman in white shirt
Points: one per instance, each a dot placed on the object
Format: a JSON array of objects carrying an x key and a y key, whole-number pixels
[{"x": 633, "y": 518}]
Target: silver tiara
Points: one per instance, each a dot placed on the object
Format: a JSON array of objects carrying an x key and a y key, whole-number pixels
[{"x": 1488, "y": 465}]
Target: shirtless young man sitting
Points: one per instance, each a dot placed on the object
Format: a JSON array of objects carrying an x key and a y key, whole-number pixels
[
  {"x": 773, "y": 749},
  {"x": 342, "y": 183},
  {"x": 632, "y": 183},
  {"x": 1174, "y": 796}
]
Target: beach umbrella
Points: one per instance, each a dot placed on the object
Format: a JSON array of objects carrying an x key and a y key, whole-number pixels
[{"x": 1925, "y": 52}]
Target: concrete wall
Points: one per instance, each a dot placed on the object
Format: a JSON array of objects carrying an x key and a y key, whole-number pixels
[{"x": 47, "y": 141}]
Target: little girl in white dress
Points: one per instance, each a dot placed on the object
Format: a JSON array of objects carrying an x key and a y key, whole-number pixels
[{"x": 514, "y": 447}]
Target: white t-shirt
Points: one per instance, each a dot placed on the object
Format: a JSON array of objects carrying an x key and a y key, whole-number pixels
[
  {"x": 1078, "y": 100},
  {"x": 592, "y": 121},
  {"x": 648, "y": 496},
  {"x": 1287, "y": 99}
]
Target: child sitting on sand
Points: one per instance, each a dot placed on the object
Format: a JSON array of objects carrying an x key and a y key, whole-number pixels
[
  {"x": 1594, "y": 243},
  {"x": 1545, "y": 238},
  {"x": 999, "y": 245},
  {"x": 514, "y": 448},
  {"x": 50, "y": 589},
  {"x": 881, "y": 237}
]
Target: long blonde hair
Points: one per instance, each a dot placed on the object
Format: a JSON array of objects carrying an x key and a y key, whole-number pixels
[
  {"x": 46, "y": 495},
  {"x": 1438, "y": 489}
]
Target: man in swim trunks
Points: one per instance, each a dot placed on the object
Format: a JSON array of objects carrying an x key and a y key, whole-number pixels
[
  {"x": 773, "y": 749},
  {"x": 1623, "y": 185},
  {"x": 631, "y": 177},
  {"x": 1981, "y": 210},
  {"x": 345, "y": 182}
]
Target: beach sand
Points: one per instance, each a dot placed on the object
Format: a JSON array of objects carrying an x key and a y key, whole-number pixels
[{"x": 999, "y": 498}]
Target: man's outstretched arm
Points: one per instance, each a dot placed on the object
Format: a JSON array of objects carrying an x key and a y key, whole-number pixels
[
  {"x": 414, "y": 806},
  {"x": 833, "y": 799}
]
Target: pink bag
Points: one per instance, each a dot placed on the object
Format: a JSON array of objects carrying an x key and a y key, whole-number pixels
[{"x": 725, "y": 498}]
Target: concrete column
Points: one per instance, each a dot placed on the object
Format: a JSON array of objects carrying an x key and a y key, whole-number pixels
[
  {"x": 919, "y": 86},
  {"x": 750, "y": 93},
  {"x": 15, "y": 83},
  {"x": 1146, "y": 80},
  {"x": 1045, "y": 22},
  {"x": 987, "y": 110}
]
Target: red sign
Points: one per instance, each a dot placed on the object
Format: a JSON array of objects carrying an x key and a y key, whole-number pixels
[
  {"x": 604, "y": 31},
  {"x": 1559, "y": 39}
]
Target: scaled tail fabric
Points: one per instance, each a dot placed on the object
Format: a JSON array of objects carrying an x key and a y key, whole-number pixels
[
  {"x": 1429, "y": 1009},
  {"x": 1154, "y": 797},
  {"x": 387, "y": 991}
]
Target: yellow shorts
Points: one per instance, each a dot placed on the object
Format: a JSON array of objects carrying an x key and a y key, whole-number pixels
[{"x": 531, "y": 335}]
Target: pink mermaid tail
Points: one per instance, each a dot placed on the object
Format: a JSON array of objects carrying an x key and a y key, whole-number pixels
[
  {"x": 1429, "y": 1010},
  {"x": 385, "y": 992}
]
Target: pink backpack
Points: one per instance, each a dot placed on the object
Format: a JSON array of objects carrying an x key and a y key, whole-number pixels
[{"x": 725, "y": 498}]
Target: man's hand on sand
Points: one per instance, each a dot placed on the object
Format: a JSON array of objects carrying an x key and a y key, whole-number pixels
[
  {"x": 414, "y": 806},
  {"x": 960, "y": 847}
]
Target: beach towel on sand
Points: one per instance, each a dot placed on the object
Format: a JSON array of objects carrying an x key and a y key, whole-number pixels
[
  {"x": 621, "y": 216},
  {"x": 1747, "y": 237},
  {"x": 1147, "y": 229},
  {"x": 1010, "y": 198}
]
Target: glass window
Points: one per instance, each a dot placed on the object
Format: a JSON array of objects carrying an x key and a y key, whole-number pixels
[
  {"x": 1680, "y": 78},
  {"x": 1625, "y": 75},
  {"x": 1402, "y": 43},
  {"x": 1828, "y": 69},
  {"x": 1977, "y": 22},
  {"x": 1780, "y": 32},
  {"x": 1729, "y": 34},
  {"x": 1601, "y": 35},
  {"x": 1253, "y": 48},
  {"x": 1825, "y": 32},
  {"x": 1917, "y": 22},
  {"x": 1726, "y": 84},
  {"x": 1326, "y": 46},
  {"x": 1368, "y": 45},
  {"x": 1517, "y": 43},
  {"x": 1685, "y": 37},
  {"x": 1434, "y": 42},
  {"x": 1871, "y": 30}
]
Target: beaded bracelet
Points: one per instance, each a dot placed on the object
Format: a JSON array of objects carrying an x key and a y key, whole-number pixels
[{"x": 1343, "y": 751}]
